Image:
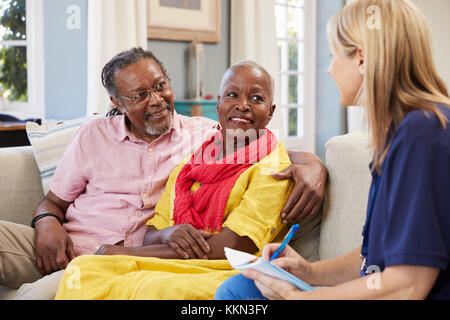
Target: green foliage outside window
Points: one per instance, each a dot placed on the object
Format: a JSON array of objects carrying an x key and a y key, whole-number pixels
[{"x": 13, "y": 59}]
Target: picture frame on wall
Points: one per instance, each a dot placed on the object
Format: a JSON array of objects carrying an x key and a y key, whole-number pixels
[{"x": 184, "y": 20}]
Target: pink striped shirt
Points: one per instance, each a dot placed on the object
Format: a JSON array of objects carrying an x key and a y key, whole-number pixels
[{"x": 114, "y": 180}]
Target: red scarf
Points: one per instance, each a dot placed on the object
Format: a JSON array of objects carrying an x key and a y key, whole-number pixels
[{"x": 204, "y": 209}]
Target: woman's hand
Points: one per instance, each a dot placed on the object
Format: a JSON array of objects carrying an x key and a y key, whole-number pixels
[
  {"x": 186, "y": 241},
  {"x": 276, "y": 289},
  {"x": 272, "y": 288},
  {"x": 289, "y": 260}
]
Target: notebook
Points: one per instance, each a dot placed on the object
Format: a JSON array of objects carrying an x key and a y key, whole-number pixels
[{"x": 241, "y": 260}]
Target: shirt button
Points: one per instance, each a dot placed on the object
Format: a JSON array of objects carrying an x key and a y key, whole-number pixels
[{"x": 136, "y": 213}]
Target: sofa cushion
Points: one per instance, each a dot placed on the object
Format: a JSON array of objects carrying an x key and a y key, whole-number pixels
[
  {"x": 306, "y": 240},
  {"x": 20, "y": 187},
  {"x": 49, "y": 142},
  {"x": 347, "y": 158}
]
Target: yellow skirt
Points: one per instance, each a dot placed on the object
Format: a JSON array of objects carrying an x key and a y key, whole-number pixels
[{"x": 124, "y": 277}]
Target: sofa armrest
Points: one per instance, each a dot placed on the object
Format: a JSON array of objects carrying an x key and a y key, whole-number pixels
[
  {"x": 349, "y": 178},
  {"x": 20, "y": 187}
]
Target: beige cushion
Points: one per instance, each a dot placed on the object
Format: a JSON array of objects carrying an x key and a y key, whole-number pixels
[
  {"x": 306, "y": 240},
  {"x": 348, "y": 158},
  {"x": 49, "y": 142},
  {"x": 20, "y": 187}
]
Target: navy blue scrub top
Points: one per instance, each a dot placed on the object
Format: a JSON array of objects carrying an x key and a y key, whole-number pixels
[{"x": 410, "y": 223}]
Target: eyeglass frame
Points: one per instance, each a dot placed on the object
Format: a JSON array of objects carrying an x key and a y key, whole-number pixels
[{"x": 150, "y": 91}]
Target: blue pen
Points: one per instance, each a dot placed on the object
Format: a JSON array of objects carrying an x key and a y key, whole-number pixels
[{"x": 286, "y": 240}]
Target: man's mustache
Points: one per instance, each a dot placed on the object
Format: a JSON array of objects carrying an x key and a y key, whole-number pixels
[{"x": 156, "y": 110}]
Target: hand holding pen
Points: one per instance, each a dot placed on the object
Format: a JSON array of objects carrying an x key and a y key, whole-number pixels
[{"x": 285, "y": 242}]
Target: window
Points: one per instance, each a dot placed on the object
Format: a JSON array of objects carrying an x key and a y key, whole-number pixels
[
  {"x": 13, "y": 50},
  {"x": 21, "y": 58},
  {"x": 295, "y": 23}
]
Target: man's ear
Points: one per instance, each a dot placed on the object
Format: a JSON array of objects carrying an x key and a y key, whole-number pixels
[{"x": 117, "y": 104}]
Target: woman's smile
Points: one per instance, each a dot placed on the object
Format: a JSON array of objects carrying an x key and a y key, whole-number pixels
[{"x": 241, "y": 121}]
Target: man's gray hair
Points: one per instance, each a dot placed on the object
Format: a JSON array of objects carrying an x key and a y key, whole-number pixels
[{"x": 247, "y": 64}]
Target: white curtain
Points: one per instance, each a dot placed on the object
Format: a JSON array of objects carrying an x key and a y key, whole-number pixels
[
  {"x": 253, "y": 37},
  {"x": 113, "y": 26}
]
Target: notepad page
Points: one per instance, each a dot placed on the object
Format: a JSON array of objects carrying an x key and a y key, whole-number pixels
[
  {"x": 280, "y": 273},
  {"x": 238, "y": 258},
  {"x": 242, "y": 260}
]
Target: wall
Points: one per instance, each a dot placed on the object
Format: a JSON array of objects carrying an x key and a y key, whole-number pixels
[
  {"x": 65, "y": 83},
  {"x": 330, "y": 115},
  {"x": 65, "y": 56},
  {"x": 174, "y": 55},
  {"x": 436, "y": 12}
]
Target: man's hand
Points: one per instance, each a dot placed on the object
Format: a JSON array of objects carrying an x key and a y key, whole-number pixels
[
  {"x": 54, "y": 248},
  {"x": 310, "y": 177}
]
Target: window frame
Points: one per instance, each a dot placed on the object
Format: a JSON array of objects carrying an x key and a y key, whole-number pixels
[
  {"x": 35, "y": 106},
  {"x": 308, "y": 107}
]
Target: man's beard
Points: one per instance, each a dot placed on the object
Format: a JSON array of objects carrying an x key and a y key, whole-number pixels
[{"x": 159, "y": 128}]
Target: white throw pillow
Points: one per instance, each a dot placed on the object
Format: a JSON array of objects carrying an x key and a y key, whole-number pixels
[{"x": 49, "y": 142}]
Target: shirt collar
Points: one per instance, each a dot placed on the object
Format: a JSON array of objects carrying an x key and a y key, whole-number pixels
[
  {"x": 176, "y": 123},
  {"x": 122, "y": 131}
]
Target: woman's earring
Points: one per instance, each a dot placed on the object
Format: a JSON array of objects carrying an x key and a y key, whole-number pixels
[{"x": 219, "y": 127}]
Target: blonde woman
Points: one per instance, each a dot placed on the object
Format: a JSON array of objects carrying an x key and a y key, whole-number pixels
[{"x": 382, "y": 60}]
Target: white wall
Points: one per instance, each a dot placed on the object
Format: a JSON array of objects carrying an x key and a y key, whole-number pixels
[{"x": 437, "y": 15}]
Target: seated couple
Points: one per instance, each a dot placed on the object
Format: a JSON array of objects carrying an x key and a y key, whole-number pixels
[
  {"x": 221, "y": 196},
  {"x": 114, "y": 172}
]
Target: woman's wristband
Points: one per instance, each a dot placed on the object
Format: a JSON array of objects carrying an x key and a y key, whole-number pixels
[{"x": 43, "y": 215}]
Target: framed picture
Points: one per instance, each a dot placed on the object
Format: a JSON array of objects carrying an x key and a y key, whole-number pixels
[{"x": 184, "y": 20}]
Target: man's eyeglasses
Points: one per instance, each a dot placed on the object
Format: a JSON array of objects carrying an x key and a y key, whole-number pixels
[{"x": 142, "y": 97}]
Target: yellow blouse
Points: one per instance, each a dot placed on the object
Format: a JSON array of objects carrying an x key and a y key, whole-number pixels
[{"x": 254, "y": 205}]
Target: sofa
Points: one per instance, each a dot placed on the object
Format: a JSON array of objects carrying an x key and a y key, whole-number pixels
[{"x": 334, "y": 231}]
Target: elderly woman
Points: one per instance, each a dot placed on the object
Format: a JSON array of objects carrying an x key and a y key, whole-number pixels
[
  {"x": 222, "y": 195},
  {"x": 386, "y": 67}
]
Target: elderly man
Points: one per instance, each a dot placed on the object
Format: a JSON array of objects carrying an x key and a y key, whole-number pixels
[{"x": 113, "y": 173}]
